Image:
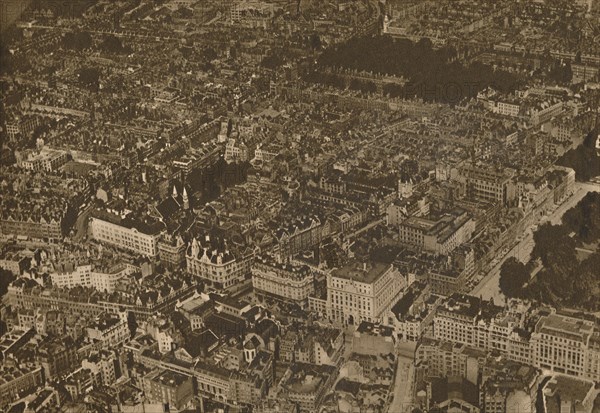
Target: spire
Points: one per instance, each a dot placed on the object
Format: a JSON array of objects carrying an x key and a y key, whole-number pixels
[
  {"x": 186, "y": 200},
  {"x": 174, "y": 191}
]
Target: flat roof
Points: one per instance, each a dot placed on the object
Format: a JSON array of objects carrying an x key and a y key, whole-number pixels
[{"x": 356, "y": 272}]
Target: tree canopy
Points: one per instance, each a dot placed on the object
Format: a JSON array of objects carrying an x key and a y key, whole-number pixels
[
  {"x": 513, "y": 276},
  {"x": 432, "y": 74},
  {"x": 584, "y": 159},
  {"x": 77, "y": 40},
  {"x": 112, "y": 44},
  {"x": 584, "y": 218}
]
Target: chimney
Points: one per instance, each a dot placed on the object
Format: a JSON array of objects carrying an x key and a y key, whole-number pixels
[{"x": 364, "y": 266}]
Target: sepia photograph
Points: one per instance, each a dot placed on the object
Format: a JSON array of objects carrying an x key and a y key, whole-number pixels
[{"x": 299, "y": 206}]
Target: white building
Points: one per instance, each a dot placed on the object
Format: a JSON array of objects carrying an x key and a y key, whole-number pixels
[
  {"x": 362, "y": 292},
  {"x": 125, "y": 233},
  {"x": 87, "y": 275},
  {"x": 284, "y": 281},
  {"x": 46, "y": 160}
]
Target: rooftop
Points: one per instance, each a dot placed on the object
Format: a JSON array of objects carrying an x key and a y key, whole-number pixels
[{"x": 366, "y": 273}]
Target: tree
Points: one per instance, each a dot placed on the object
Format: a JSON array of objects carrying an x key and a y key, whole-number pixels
[
  {"x": 113, "y": 44},
  {"x": 554, "y": 246},
  {"x": 210, "y": 54},
  {"x": 315, "y": 41},
  {"x": 77, "y": 40},
  {"x": 89, "y": 77},
  {"x": 272, "y": 61},
  {"x": 513, "y": 276},
  {"x": 584, "y": 218},
  {"x": 584, "y": 159}
]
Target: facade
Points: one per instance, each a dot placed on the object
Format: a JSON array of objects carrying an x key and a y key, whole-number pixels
[
  {"x": 434, "y": 358},
  {"x": 41, "y": 228},
  {"x": 102, "y": 367},
  {"x": 171, "y": 389},
  {"x": 127, "y": 234},
  {"x": 487, "y": 185},
  {"x": 285, "y": 281},
  {"x": 171, "y": 250},
  {"x": 507, "y": 108},
  {"x": 221, "y": 268},
  {"x": 46, "y": 160},
  {"x": 109, "y": 329},
  {"x": 440, "y": 235},
  {"x": 69, "y": 276},
  {"x": 307, "y": 384},
  {"x": 16, "y": 380},
  {"x": 299, "y": 236},
  {"x": 357, "y": 293},
  {"x": 558, "y": 343},
  {"x": 566, "y": 345}
]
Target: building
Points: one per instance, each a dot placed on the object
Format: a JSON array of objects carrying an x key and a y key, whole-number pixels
[
  {"x": 412, "y": 314},
  {"x": 57, "y": 356},
  {"x": 69, "y": 275},
  {"x": 287, "y": 282},
  {"x": 102, "y": 366},
  {"x": 171, "y": 250},
  {"x": 298, "y": 236},
  {"x": 42, "y": 228},
  {"x": 362, "y": 292},
  {"x": 307, "y": 384},
  {"x": 402, "y": 208},
  {"x": 110, "y": 330},
  {"x": 79, "y": 382},
  {"x": 441, "y": 235},
  {"x": 237, "y": 151},
  {"x": 435, "y": 358},
  {"x": 173, "y": 390},
  {"x": 216, "y": 264},
  {"x": 14, "y": 262},
  {"x": 507, "y": 386},
  {"x": 584, "y": 73},
  {"x": 482, "y": 325},
  {"x": 506, "y": 108},
  {"x": 484, "y": 184},
  {"x": 47, "y": 160},
  {"x": 16, "y": 380},
  {"x": 566, "y": 345},
  {"x": 125, "y": 232}
]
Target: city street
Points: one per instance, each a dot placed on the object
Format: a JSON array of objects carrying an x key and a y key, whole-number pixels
[
  {"x": 489, "y": 287},
  {"x": 403, "y": 383},
  {"x": 402, "y": 401}
]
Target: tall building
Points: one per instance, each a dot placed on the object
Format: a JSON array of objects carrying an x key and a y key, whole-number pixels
[
  {"x": 300, "y": 235},
  {"x": 362, "y": 292},
  {"x": 173, "y": 390},
  {"x": 558, "y": 343},
  {"x": 213, "y": 262},
  {"x": 481, "y": 324},
  {"x": 485, "y": 184},
  {"x": 126, "y": 232},
  {"x": 567, "y": 345},
  {"x": 69, "y": 275},
  {"x": 440, "y": 235},
  {"x": 287, "y": 282},
  {"x": 46, "y": 160}
]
